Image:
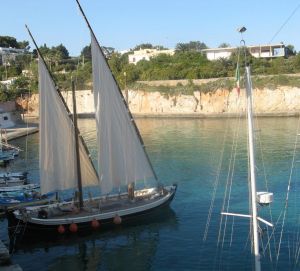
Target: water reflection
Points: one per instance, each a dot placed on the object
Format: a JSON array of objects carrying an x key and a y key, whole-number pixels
[{"x": 133, "y": 245}]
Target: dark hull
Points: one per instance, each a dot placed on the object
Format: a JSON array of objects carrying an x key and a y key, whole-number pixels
[{"x": 18, "y": 227}]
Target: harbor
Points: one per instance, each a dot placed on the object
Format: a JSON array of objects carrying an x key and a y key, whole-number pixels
[{"x": 132, "y": 148}]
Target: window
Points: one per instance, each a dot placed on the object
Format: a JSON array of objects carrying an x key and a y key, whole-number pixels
[{"x": 5, "y": 117}]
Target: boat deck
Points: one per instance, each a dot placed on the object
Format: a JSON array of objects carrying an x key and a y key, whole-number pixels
[{"x": 99, "y": 206}]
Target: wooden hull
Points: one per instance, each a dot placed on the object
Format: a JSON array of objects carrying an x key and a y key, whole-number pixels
[{"x": 105, "y": 219}]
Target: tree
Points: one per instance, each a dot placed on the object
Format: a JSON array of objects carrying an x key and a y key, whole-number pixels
[
  {"x": 6, "y": 41},
  {"x": 23, "y": 44},
  {"x": 224, "y": 45},
  {"x": 86, "y": 52},
  {"x": 61, "y": 51},
  {"x": 143, "y": 46},
  {"x": 4, "y": 93},
  {"x": 191, "y": 46},
  {"x": 290, "y": 50}
]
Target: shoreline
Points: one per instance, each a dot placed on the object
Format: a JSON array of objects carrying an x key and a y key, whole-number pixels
[{"x": 188, "y": 115}]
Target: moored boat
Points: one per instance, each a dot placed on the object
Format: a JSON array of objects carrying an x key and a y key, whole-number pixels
[{"x": 128, "y": 183}]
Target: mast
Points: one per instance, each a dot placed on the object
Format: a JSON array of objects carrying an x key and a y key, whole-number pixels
[
  {"x": 252, "y": 171},
  {"x": 80, "y": 196},
  {"x": 120, "y": 93},
  {"x": 62, "y": 99}
]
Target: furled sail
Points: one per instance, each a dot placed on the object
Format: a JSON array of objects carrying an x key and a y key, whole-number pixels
[
  {"x": 57, "y": 143},
  {"x": 121, "y": 157}
]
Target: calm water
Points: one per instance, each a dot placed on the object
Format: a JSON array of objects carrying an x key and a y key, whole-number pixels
[{"x": 188, "y": 152}]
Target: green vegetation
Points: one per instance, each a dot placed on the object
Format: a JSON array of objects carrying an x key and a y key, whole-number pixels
[
  {"x": 187, "y": 63},
  {"x": 6, "y": 41}
]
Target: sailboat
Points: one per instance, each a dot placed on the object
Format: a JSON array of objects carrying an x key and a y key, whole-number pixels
[{"x": 66, "y": 164}]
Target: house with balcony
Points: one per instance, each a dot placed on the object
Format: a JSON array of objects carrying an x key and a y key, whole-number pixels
[{"x": 257, "y": 51}]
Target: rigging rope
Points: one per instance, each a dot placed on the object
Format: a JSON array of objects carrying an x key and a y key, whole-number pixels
[
  {"x": 267, "y": 189},
  {"x": 215, "y": 185},
  {"x": 288, "y": 190},
  {"x": 285, "y": 22},
  {"x": 229, "y": 179}
]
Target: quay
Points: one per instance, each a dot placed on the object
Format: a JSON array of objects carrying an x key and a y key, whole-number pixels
[
  {"x": 5, "y": 262},
  {"x": 20, "y": 130}
]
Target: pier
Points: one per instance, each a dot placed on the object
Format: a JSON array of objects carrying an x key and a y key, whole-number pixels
[{"x": 20, "y": 131}]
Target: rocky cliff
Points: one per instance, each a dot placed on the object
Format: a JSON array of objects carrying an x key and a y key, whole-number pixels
[{"x": 282, "y": 101}]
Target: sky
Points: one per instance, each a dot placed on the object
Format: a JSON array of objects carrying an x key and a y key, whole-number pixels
[{"x": 124, "y": 24}]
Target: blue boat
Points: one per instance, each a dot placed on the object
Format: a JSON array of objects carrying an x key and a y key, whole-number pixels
[{"x": 11, "y": 200}]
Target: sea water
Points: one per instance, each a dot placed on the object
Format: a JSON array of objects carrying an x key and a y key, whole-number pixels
[{"x": 208, "y": 159}]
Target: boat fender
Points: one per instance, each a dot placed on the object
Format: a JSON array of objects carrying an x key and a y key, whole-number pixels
[
  {"x": 73, "y": 227},
  {"x": 117, "y": 219},
  {"x": 43, "y": 214},
  {"x": 95, "y": 224},
  {"x": 61, "y": 229}
]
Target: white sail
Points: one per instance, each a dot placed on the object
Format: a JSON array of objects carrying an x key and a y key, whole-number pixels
[
  {"x": 57, "y": 143},
  {"x": 121, "y": 157}
]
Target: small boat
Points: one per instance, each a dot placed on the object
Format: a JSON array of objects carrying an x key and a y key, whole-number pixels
[
  {"x": 11, "y": 182},
  {"x": 19, "y": 188},
  {"x": 12, "y": 200},
  {"x": 13, "y": 178},
  {"x": 128, "y": 185},
  {"x": 8, "y": 152},
  {"x": 5, "y": 158},
  {"x": 15, "y": 175}
]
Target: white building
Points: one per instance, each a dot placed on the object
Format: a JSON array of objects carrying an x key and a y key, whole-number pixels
[
  {"x": 146, "y": 54},
  {"x": 8, "y": 115},
  {"x": 258, "y": 51}
]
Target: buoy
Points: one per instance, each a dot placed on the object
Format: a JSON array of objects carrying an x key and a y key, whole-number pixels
[
  {"x": 95, "y": 224},
  {"x": 73, "y": 227},
  {"x": 117, "y": 220},
  {"x": 61, "y": 229}
]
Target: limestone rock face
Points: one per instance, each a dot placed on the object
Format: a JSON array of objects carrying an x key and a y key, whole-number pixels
[{"x": 283, "y": 100}]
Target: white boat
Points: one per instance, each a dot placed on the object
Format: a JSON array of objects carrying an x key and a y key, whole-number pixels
[
  {"x": 13, "y": 178},
  {"x": 21, "y": 199},
  {"x": 14, "y": 175},
  {"x": 11, "y": 182},
  {"x": 8, "y": 152},
  {"x": 65, "y": 163},
  {"x": 16, "y": 188}
]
